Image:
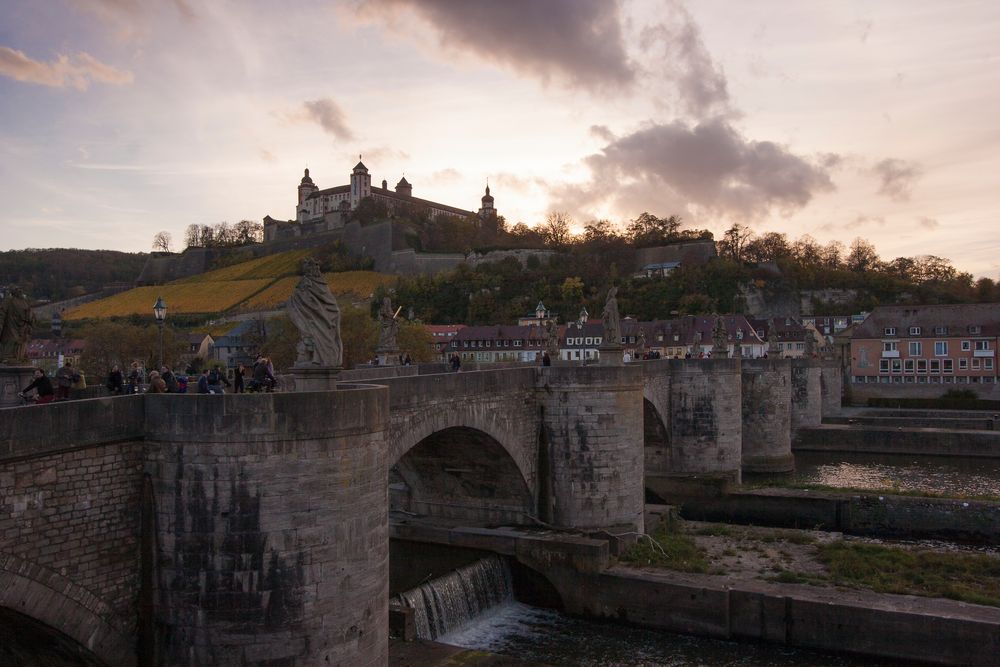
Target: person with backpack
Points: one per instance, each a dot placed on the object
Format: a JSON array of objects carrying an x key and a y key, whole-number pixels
[{"x": 169, "y": 379}]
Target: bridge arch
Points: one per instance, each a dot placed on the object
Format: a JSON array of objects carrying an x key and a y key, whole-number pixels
[
  {"x": 461, "y": 472},
  {"x": 53, "y": 600},
  {"x": 656, "y": 447}
]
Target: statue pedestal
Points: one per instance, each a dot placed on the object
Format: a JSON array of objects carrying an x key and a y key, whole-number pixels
[
  {"x": 611, "y": 355},
  {"x": 315, "y": 378},
  {"x": 12, "y": 380},
  {"x": 387, "y": 357}
]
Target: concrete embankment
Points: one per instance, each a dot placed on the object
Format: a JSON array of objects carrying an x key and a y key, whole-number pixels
[
  {"x": 584, "y": 579},
  {"x": 900, "y": 627},
  {"x": 898, "y": 440},
  {"x": 872, "y": 514}
]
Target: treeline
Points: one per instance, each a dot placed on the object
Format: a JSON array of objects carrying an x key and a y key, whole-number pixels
[
  {"x": 62, "y": 273},
  {"x": 223, "y": 235},
  {"x": 589, "y": 262}
]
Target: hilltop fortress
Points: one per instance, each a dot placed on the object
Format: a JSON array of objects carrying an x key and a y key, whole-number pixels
[{"x": 318, "y": 211}]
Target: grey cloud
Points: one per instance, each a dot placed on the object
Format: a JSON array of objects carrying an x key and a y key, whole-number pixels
[
  {"x": 927, "y": 223},
  {"x": 330, "y": 117},
  {"x": 449, "y": 175},
  {"x": 709, "y": 167},
  {"x": 682, "y": 57},
  {"x": 602, "y": 132},
  {"x": 76, "y": 72},
  {"x": 577, "y": 40},
  {"x": 865, "y": 221},
  {"x": 897, "y": 178}
]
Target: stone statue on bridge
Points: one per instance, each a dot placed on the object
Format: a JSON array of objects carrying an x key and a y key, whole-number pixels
[
  {"x": 16, "y": 322},
  {"x": 773, "y": 346},
  {"x": 720, "y": 339},
  {"x": 314, "y": 311},
  {"x": 640, "y": 345},
  {"x": 612, "y": 321},
  {"x": 551, "y": 338},
  {"x": 388, "y": 348}
]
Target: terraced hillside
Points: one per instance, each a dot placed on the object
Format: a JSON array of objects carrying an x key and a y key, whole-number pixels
[{"x": 260, "y": 284}]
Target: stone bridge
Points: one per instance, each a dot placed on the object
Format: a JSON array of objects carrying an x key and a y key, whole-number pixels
[{"x": 253, "y": 529}]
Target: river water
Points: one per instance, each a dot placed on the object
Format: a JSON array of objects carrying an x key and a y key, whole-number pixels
[
  {"x": 888, "y": 472},
  {"x": 552, "y": 638}
]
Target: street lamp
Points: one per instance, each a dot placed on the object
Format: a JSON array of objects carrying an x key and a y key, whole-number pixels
[{"x": 160, "y": 313}]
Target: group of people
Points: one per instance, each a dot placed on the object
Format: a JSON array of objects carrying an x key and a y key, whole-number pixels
[{"x": 66, "y": 378}]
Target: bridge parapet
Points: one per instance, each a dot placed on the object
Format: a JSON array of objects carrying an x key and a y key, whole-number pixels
[{"x": 42, "y": 429}]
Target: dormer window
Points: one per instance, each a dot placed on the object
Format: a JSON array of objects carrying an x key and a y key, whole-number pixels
[
  {"x": 890, "y": 331},
  {"x": 914, "y": 331},
  {"x": 940, "y": 331},
  {"x": 974, "y": 329}
]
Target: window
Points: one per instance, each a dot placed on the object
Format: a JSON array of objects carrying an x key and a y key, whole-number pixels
[
  {"x": 966, "y": 346},
  {"x": 935, "y": 365},
  {"x": 916, "y": 349},
  {"x": 800, "y": 346},
  {"x": 940, "y": 348},
  {"x": 963, "y": 364},
  {"x": 982, "y": 344},
  {"x": 890, "y": 346},
  {"x": 517, "y": 343},
  {"x": 590, "y": 341},
  {"x": 975, "y": 364},
  {"x": 488, "y": 343},
  {"x": 897, "y": 365},
  {"x": 908, "y": 366},
  {"x": 940, "y": 331},
  {"x": 890, "y": 331},
  {"x": 863, "y": 358},
  {"x": 988, "y": 363},
  {"x": 914, "y": 331},
  {"x": 739, "y": 334},
  {"x": 947, "y": 366},
  {"x": 974, "y": 329},
  {"x": 883, "y": 365}
]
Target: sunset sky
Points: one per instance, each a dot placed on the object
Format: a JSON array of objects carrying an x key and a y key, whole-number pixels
[{"x": 121, "y": 118}]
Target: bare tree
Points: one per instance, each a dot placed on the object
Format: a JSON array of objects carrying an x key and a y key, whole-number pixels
[
  {"x": 161, "y": 242},
  {"x": 192, "y": 236}
]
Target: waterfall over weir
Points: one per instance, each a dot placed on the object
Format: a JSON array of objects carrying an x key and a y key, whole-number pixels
[{"x": 444, "y": 604}]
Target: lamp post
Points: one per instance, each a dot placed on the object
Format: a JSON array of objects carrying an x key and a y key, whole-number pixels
[{"x": 160, "y": 313}]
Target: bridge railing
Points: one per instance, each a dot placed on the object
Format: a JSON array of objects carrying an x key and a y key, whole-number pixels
[{"x": 41, "y": 429}]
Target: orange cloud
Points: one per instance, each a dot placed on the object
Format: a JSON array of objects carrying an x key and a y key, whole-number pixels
[{"x": 77, "y": 72}]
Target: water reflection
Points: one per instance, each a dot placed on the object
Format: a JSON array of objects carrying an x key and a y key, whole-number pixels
[{"x": 887, "y": 472}]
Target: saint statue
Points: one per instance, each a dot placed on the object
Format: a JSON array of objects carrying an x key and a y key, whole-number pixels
[
  {"x": 551, "y": 339},
  {"x": 314, "y": 311},
  {"x": 640, "y": 345},
  {"x": 612, "y": 321},
  {"x": 390, "y": 327},
  {"x": 773, "y": 346},
  {"x": 16, "y": 321},
  {"x": 720, "y": 339}
]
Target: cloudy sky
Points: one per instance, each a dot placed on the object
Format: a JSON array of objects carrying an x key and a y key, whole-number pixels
[{"x": 121, "y": 118}]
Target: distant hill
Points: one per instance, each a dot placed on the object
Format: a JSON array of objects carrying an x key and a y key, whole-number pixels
[
  {"x": 259, "y": 284},
  {"x": 62, "y": 273}
]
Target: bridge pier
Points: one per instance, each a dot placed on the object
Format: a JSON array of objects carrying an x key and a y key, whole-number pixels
[
  {"x": 767, "y": 396},
  {"x": 807, "y": 401},
  {"x": 271, "y": 515},
  {"x": 591, "y": 454},
  {"x": 832, "y": 387}
]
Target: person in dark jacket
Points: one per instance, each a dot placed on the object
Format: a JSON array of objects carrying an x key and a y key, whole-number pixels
[
  {"x": 238, "y": 374},
  {"x": 42, "y": 386},
  {"x": 116, "y": 382},
  {"x": 263, "y": 378},
  {"x": 65, "y": 377},
  {"x": 169, "y": 379},
  {"x": 203, "y": 383}
]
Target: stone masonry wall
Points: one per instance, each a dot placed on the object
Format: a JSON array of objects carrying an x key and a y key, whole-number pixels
[
  {"x": 272, "y": 515},
  {"x": 705, "y": 429},
  {"x": 591, "y": 446},
  {"x": 69, "y": 556},
  {"x": 766, "y": 398},
  {"x": 831, "y": 387},
  {"x": 807, "y": 400}
]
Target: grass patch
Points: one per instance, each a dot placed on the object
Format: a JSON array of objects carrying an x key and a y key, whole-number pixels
[
  {"x": 673, "y": 550},
  {"x": 971, "y": 578}
]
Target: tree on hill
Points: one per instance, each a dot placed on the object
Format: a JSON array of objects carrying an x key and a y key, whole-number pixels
[{"x": 161, "y": 242}]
